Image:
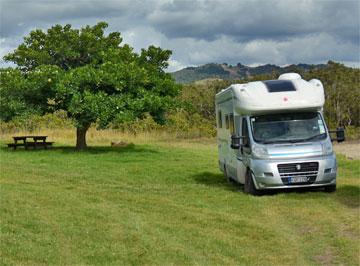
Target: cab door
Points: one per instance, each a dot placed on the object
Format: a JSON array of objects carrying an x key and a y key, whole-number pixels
[
  {"x": 244, "y": 151},
  {"x": 232, "y": 164}
]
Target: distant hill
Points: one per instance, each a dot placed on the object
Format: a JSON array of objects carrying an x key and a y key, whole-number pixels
[{"x": 239, "y": 71}]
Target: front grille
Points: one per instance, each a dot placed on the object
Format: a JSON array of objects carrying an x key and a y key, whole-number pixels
[{"x": 308, "y": 170}]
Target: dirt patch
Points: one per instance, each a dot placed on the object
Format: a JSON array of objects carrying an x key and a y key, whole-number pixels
[
  {"x": 119, "y": 144},
  {"x": 351, "y": 149},
  {"x": 307, "y": 229},
  {"x": 326, "y": 258}
]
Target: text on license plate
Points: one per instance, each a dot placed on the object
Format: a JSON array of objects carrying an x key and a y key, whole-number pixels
[{"x": 298, "y": 179}]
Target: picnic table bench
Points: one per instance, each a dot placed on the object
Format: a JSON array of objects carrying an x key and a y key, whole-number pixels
[{"x": 37, "y": 141}]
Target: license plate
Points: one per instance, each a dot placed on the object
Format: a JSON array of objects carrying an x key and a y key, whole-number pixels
[{"x": 298, "y": 179}]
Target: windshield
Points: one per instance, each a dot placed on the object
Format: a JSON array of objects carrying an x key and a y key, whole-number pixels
[{"x": 289, "y": 127}]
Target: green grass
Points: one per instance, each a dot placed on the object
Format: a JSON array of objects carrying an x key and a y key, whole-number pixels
[{"x": 158, "y": 204}]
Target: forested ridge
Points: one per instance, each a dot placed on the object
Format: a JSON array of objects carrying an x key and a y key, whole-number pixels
[{"x": 239, "y": 71}]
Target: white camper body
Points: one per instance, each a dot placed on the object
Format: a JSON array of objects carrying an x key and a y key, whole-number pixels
[{"x": 271, "y": 134}]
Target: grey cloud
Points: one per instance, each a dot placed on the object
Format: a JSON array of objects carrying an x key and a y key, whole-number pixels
[
  {"x": 246, "y": 20},
  {"x": 17, "y": 16},
  {"x": 310, "y": 49},
  {"x": 198, "y": 32}
]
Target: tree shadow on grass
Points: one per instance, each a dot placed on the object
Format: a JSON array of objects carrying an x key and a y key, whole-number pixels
[
  {"x": 216, "y": 180},
  {"x": 131, "y": 148},
  {"x": 348, "y": 195}
]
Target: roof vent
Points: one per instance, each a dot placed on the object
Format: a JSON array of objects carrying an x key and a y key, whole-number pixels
[
  {"x": 289, "y": 76},
  {"x": 279, "y": 85}
]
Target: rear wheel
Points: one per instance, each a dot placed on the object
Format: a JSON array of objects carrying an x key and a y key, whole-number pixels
[
  {"x": 249, "y": 186},
  {"x": 330, "y": 189}
]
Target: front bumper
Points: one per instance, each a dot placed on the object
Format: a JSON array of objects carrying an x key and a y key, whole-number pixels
[{"x": 266, "y": 175}]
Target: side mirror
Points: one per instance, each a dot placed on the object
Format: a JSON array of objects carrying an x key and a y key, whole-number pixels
[
  {"x": 235, "y": 142},
  {"x": 340, "y": 134}
]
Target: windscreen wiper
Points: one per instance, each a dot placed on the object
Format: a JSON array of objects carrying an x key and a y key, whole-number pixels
[
  {"x": 275, "y": 141},
  {"x": 294, "y": 140},
  {"x": 310, "y": 138}
]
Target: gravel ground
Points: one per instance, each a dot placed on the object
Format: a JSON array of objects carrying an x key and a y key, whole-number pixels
[{"x": 351, "y": 149}]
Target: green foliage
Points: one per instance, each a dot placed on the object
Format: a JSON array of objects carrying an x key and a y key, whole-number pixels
[
  {"x": 12, "y": 102},
  {"x": 185, "y": 124},
  {"x": 89, "y": 75},
  {"x": 342, "y": 93},
  {"x": 353, "y": 133},
  {"x": 145, "y": 124},
  {"x": 65, "y": 47},
  {"x": 201, "y": 97},
  {"x": 34, "y": 122}
]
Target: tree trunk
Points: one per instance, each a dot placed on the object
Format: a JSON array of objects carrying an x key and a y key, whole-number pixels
[{"x": 81, "y": 137}]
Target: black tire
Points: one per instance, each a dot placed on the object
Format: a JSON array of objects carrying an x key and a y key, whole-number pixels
[
  {"x": 330, "y": 189},
  {"x": 249, "y": 186}
]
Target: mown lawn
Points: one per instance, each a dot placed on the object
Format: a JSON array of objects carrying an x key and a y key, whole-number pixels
[{"x": 165, "y": 204}]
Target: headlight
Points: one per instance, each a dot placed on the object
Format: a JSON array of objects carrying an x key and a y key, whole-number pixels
[
  {"x": 259, "y": 151},
  {"x": 327, "y": 148}
]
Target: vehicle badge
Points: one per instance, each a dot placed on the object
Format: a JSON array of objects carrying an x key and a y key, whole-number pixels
[
  {"x": 285, "y": 99},
  {"x": 298, "y": 167}
]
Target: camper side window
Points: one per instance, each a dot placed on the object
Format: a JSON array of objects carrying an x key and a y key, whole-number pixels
[
  {"x": 219, "y": 119},
  {"x": 227, "y": 121},
  {"x": 231, "y": 122}
]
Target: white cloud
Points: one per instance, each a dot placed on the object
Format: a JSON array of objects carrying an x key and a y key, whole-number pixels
[
  {"x": 6, "y": 46},
  {"x": 143, "y": 36},
  {"x": 175, "y": 65}
]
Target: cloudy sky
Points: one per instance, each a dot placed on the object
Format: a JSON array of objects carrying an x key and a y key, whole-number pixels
[{"x": 252, "y": 32}]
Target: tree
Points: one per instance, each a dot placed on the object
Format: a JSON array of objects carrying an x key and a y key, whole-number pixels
[
  {"x": 342, "y": 94},
  {"x": 90, "y": 75},
  {"x": 12, "y": 91}
]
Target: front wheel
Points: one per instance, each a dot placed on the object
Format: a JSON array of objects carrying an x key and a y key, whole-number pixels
[
  {"x": 330, "y": 189},
  {"x": 249, "y": 186}
]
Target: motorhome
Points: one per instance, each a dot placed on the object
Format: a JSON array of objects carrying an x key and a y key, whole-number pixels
[{"x": 272, "y": 135}]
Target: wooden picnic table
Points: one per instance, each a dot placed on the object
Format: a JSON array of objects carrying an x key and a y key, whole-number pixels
[{"x": 37, "y": 141}]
